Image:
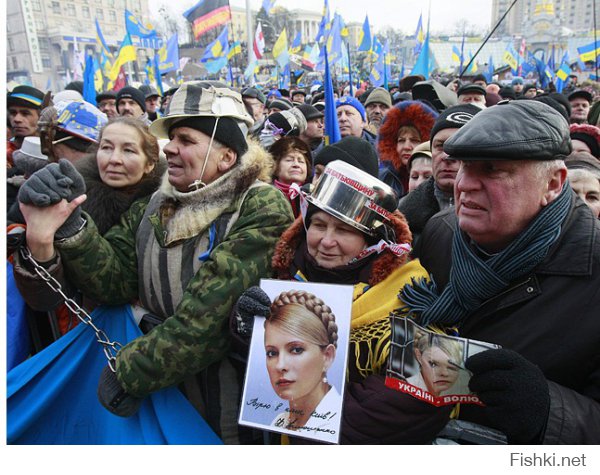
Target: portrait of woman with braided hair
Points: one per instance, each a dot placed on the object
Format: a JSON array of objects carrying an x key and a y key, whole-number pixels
[{"x": 300, "y": 346}]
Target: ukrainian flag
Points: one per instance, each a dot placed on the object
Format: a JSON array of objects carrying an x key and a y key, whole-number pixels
[
  {"x": 589, "y": 52},
  {"x": 125, "y": 55},
  {"x": 364, "y": 40},
  {"x": 455, "y": 54}
]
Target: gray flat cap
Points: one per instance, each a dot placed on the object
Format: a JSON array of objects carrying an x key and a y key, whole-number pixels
[{"x": 517, "y": 130}]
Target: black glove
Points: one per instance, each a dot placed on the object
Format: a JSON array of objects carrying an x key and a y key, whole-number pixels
[
  {"x": 51, "y": 184},
  {"x": 114, "y": 398},
  {"x": 515, "y": 393},
  {"x": 254, "y": 301}
]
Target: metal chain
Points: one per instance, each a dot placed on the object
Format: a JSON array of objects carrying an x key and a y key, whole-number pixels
[{"x": 110, "y": 348}]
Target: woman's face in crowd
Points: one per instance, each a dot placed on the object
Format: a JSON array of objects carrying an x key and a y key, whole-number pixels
[
  {"x": 295, "y": 366},
  {"x": 292, "y": 168},
  {"x": 438, "y": 371},
  {"x": 408, "y": 139},
  {"x": 331, "y": 242},
  {"x": 587, "y": 186},
  {"x": 420, "y": 171},
  {"x": 120, "y": 156}
]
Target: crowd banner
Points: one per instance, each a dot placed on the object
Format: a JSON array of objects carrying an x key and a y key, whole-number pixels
[{"x": 51, "y": 397}]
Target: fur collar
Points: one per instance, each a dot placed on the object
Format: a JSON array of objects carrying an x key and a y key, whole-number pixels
[
  {"x": 106, "y": 204},
  {"x": 385, "y": 263},
  {"x": 185, "y": 215},
  {"x": 406, "y": 113}
]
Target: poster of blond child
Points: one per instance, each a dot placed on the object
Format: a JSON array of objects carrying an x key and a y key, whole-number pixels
[
  {"x": 431, "y": 366},
  {"x": 297, "y": 361}
]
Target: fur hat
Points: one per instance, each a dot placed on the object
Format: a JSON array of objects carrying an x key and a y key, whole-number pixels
[
  {"x": 406, "y": 113},
  {"x": 406, "y": 83}
]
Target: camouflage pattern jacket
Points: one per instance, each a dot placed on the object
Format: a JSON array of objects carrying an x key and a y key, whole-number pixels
[{"x": 187, "y": 257}]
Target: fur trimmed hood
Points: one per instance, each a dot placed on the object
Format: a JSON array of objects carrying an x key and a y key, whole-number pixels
[
  {"x": 106, "y": 204},
  {"x": 384, "y": 264},
  {"x": 185, "y": 215},
  {"x": 405, "y": 113}
]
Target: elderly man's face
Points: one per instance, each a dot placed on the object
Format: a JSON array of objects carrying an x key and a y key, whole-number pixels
[
  {"x": 580, "y": 109},
  {"x": 472, "y": 97},
  {"x": 350, "y": 121},
  {"x": 376, "y": 112},
  {"x": 497, "y": 199}
]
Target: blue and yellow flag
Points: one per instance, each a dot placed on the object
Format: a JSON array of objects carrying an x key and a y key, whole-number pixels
[
  {"x": 168, "y": 55},
  {"x": 510, "y": 57},
  {"x": 218, "y": 48},
  {"x": 423, "y": 64},
  {"x": 419, "y": 36},
  {"x": 125, "y": 55},
  {"x": 364, "y": 39},
  {"x": 268, "y": 5},
  {"x": 296, "y": 46},
  {"x": 280, "y": 50},
  {"x": 135, "y": 27},
  {"x": 456, "y": 54},
  {"x": 334, "y": 40},
  {"x": 332, "y": 128},
  {"x": 234, "y": 48},
  {"x": 325, "y": 24},
  {"x": 106, "y": 57},
  {"x": 589, "y": 52}
]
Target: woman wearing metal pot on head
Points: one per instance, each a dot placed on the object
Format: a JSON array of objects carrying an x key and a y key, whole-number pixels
[{"x": 350, "y": 233}]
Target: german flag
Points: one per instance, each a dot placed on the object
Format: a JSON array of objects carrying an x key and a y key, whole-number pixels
[{"x": 208, "y": 14}]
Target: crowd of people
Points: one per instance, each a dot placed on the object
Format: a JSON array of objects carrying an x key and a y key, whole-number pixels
[{"x": 475, "y": 211}]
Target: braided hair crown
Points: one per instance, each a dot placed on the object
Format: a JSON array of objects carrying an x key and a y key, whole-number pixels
[{"x": 312, "y": 303}]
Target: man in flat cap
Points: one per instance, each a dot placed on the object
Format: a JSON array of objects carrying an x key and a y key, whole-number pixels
[
  {"x": 517, "y": 263},
  {"x": 580, "y": 101},
  {"x": 472, "y": 94}
]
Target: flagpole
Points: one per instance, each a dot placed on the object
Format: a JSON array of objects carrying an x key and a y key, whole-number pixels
[
  {"x": 595, "y": 39},
  {"x": 234, "y": 56},
  {"x": 350, "y": 69},
  {"x": 250, "y": 40},
  {"x": 488, "y": 37}
]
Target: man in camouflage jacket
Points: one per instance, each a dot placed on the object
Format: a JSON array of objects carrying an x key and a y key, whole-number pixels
[{"x": 186, "y": 254}]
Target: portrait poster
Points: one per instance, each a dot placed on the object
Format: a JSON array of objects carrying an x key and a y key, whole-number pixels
[
  {"x": 431, "y": 366},
  {"x": 296, "y": 366}
]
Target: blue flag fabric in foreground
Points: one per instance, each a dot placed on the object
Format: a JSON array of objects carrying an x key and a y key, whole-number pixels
[{"x": 51, "y": 397}]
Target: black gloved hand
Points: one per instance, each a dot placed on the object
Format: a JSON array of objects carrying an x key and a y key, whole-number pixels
[
  {"x": 254, "y": 301},
  {"x": 514, "y": 391},
  {"x": 114, "y": 398},
  {"x": 51, "y": 184}
]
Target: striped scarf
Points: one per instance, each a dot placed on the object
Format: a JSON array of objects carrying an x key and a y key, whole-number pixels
[{"x": 474, "y": 280}]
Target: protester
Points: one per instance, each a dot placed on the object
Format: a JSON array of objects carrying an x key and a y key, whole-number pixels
[
  {"x": 352, "y": 119},
  {"x": 131, "y": 102},
  {"x": 124, "y": 167},
  {"x": 505, "y": 273},
  {"x": 328, "y": 245},
  {"x": 298, "y": 96},
  {"x": 152, "y": 101},
  {"x": 419, "y": 166},
  {"x": 210, "y": 190},
  {"x": 581, "y": 101},
  {"x": 517, "y": 85},
  {"x": 377, "y": 104},
  {"x": 23, "y": 104},
  {"x": 288, "y": 123},
  {"x": 315, "y": 127},
  {"x": 472, "y": 93},
  {"x": 293, "y": 165},
  {"x": 406, "y": 125},
  {"x": 585, "y": 138},
  {"x": 437, "y": 193},
  {"x": 583, "y": 171},
  {"x": 107, "y": 103}
]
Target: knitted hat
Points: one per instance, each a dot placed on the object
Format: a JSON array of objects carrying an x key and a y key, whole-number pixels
[
  {"x": 516, "y": 81},
  {"x": 353, "y": 150},
  {"x": 588, "y": 134},
  {"x": 130, "y": 92},
  {"x": 515, "y": 130},
  {"x": 227, "y": 133},
  {"x": 379, "y": 95},
  {"x": 353, "y": 102},
  {"x": 281, "y": 104},
  {"x": 507, "y": 92},
  {"x": 454, "y": 118},
  {"x": 25, "y": 96},
  {"x": 529, "y": 86},
  {"x": 292, "y": 121},
  {"x": 75, "y": 86}
]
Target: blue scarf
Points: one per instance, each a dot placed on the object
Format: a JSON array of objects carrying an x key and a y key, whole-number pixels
[{"x": 474, "y": 280}]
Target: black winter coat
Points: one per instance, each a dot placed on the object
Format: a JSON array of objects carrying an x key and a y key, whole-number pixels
[{"x": 551, "y": 317}]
